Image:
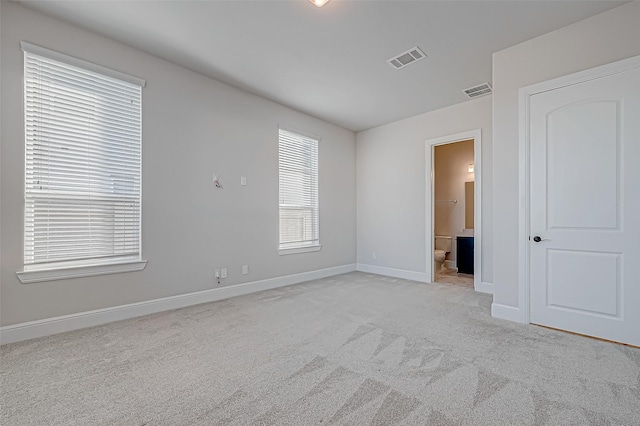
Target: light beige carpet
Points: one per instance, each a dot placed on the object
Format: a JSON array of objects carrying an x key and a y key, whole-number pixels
[{"x": 355, "y": 349}]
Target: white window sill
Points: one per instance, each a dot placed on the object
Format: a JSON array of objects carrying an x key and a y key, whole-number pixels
[
  {"x": 296, "y": 250},
  {"x": 40, "y": 275}
]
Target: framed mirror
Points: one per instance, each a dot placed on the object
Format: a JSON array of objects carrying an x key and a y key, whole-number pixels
[{"x": 468, "y": 204}]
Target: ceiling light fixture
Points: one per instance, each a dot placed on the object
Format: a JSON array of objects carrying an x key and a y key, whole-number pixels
[{"x": 319, "y": 3}]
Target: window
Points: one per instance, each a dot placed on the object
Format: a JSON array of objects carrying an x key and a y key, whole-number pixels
[
  {"x": 298, "y": 166},
  {"x": 83, "y": 132}
]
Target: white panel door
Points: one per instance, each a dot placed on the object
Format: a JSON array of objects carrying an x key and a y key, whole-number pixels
[{"x": 585, "y": 208}]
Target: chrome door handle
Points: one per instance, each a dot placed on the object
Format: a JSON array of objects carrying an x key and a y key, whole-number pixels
[{"x": 537, "y": 239}]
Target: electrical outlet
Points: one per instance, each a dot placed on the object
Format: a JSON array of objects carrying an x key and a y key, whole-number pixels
[
  {"x": 245, "y": 269},
  {"x": 223, "y": 273},
  {"x": 217, "y": 273},
  {"x": 243, "y": 180}
]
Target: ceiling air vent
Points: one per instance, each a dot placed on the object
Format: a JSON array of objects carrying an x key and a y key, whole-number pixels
[
  {"x": 477, "y": 91},
  {"x": 410, "y": 56}
]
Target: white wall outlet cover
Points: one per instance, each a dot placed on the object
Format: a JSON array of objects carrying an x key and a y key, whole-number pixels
[
  {"x": 243, "y": 180},
  {"x": 245, "y": 269},
  {"x": 224, "y": 273},
  {"x": 217, "y": 273}
]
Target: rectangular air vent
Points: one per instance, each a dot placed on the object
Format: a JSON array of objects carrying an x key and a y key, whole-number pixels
[
  {"x": 410, "y": 56},
  {"x": 477, "y": 91}
]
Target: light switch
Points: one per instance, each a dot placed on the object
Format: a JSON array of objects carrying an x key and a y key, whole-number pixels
[{"x": 243, "y": 180}]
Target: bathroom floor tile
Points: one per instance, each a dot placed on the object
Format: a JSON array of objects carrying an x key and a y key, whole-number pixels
[{"x": 450, "y": 276}]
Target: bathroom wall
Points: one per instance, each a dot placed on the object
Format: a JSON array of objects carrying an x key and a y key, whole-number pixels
[{"x": 451, "y": 163}]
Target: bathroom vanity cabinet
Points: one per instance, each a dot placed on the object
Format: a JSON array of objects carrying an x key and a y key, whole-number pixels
[{"x": 464, "y": 255}]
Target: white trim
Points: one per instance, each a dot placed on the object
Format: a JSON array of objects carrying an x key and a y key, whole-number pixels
[
  {"x": 61, "y": 324},
  {"x": 391, "y": 272},
  {"x": 477, "y": 209},
  {"x": 71, "y": 60},
  {"x": 505, "y": 312},
  {"x": 483, "y": 287},
  {"x": 450, "y": 264},
  {"x": 525, "y": 94},
  {"x": 430, "y": 144},
  {"x": 523, "y": 208},
  {"x": 296, "y": 250},
  {"x": 40, "y": 275}
]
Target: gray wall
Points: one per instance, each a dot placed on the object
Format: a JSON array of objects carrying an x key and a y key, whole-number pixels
[
  {"x": 391, "y": 186},
  {"x": 193, "y": 126},
  {"x": 604, "y": 38}
]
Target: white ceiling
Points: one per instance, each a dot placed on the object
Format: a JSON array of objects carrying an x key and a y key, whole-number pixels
[{"x": 331, "y": 62}]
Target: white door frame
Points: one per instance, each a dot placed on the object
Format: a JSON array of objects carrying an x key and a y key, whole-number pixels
[
  {"x": 430, "y": 144},
  {"x": 524, "y": 259}
]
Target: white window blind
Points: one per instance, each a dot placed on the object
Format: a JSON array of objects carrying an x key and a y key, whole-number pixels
[
  {"x": 298, "y": 166},
  {"x": 83, "y": 164}
]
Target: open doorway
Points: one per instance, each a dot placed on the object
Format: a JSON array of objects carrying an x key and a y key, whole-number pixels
[{"x": 453, "y": 209}]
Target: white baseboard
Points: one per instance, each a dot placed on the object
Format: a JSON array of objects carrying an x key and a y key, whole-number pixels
[
  {"x": 49, "y": 326},
  {"x": 391, "y": 272},
  {"x": 509, "y": 313},
  {"x": 483, "y": 287}
]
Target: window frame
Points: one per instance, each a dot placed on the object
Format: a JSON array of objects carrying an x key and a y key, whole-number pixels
[
  {"x": 316, "y": 245},
  {"x": 56, "y": 270}
]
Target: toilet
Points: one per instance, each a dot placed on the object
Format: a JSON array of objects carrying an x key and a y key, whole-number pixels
[{"x": 442, "y": 247}]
